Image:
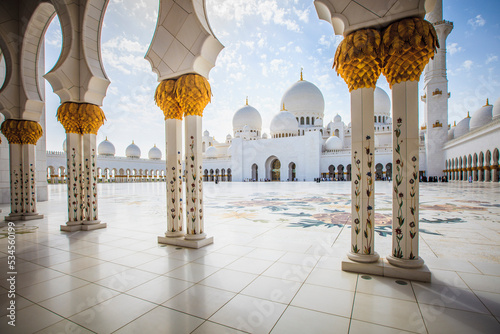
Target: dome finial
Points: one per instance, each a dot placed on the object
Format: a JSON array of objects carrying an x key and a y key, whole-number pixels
[
  {"x": 106, "y": 138},
  {"x": 454, "y": 123},
  {"x": 301, "y": 76},
  {"x": 487, "y": 102},
  {"x": 246, "y": 103},
  {"x": 132, "y": 141},
  {"x": 468, "y": 116},
  {"x": 283, "y": 107}
]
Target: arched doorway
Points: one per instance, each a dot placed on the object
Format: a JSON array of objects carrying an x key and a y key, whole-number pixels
[
  {"x": 275, "y": 170},
  {"x": 291, "y": 171},
  {"x": 348, "y": 171},
  {"x": 255, "y": 172},
  {"x": 331, "y": 172},
  {"x": 379, "y": 174},
  {"x": 388, "y": 171},
  {"x": 340, "y": 173}
]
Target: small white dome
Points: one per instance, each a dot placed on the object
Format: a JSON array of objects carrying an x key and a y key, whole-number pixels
[
  {"x": 264, "y": 136},
  {"x": 133, "y": 151},
  {"x": 451, "y": 133},
  {"x": 337, "y": 119},
  {"x": 211, "y": 152},
  {"x": 106, "y": 148},
  {"x": 333, "y": 143},
  {"x": 284, "y": 123},
  {"x": 303, "y": 98},
  {"x": 382, "y": 103},
  {"x": 206, "y": 133},
  {"x": 247, "y": 115},
  {"x": 64, "y": 145},
  {"x": 246, "y": 128},
  {"x": 481, "y": 117},
  {"x": 462, "y": 127},
  {"x": 228, "y": 137},
  {"x": 496, "y": 109},
  {"x": 154, "y": 153}
]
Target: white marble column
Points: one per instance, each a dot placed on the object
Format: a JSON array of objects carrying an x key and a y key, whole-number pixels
[
  {"x": 363, "y": 177},
  {"x": 29, "y": 182},
  {"x": 405, "y": 141},
  {"x": 74, "y": 175},
  {"x": 89, "y": 184},
  {"x": 16, "y": 182},
  {"x": 175, "y": 215},
  {"x": 194, "y": 178}
]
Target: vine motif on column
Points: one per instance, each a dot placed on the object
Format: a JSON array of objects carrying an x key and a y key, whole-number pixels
[
  {"x": 32, "y": 186},
  {"x": 86, "y": 193},
  {"x": 357, "y": 199},
  {"x": 179, "y": 166},
  {"x": 398, "y": 252},
  {"x": 94, "y": 186},
  {"x": 192, "y": 210},
  {"x": 173, "y": 188},
  {"x": 73, "y": 196},
  {"x": 368, "y": 234},
  {"x": 26, "y": 186},
  {"x": 413, "y": 204},
  {"x": 16, "y": 180},
  {"x": 200, "y": 191}
]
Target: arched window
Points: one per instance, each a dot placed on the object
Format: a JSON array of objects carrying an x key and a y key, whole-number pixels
[
  {"x": 307, "y": 120},
  {"x": 312, "y": 120},
  {"x": 302, "y": 120}
]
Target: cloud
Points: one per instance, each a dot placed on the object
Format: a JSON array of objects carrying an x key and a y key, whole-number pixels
[
  {"x": 491, "y": 58},
  {"x": 454, "y": 48},
  {"x": 125, "y": 55},
  {"x": 303, "y": 15},
  {"x": 477, "y": 21},
  {"x": 298, "y": 49},
  {"x": 123, "y": 44},
  {"x": 467, "y": 65}
]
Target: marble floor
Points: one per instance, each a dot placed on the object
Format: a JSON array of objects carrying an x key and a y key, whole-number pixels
[{"x": 274, "y": 266}]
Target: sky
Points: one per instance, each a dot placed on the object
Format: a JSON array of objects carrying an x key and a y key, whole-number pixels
[{"x": 267, "y": 42}]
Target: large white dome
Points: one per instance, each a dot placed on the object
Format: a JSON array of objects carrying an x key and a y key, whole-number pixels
[
  {"x": 481, "y": 117},
  {"x": 154, "y": 153},
  {"x": 304, "y": 99},
  {"x": 106, "y": 148},
  {"x": 247, "y": 115},
  {"x": 382, "y": 103},
  {"x": 333, "y": 143},
  {"x": 496, "y": 109},
  {"x": 284, "y": 123},
  {"x": 462, "y": 127},
  {"x": 451, "y": 133},
  {"x": 133, "y": 151}
]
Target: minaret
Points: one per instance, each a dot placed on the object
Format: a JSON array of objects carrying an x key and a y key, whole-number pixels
[{"x": 436, "y": 97}]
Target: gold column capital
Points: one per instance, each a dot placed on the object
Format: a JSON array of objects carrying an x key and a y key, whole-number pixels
[
  {"x": 165, "y": 98},
  {"x": 21, "y": 131},
  {"x": 407, "y": 46},
  {"x": 193, "y": 94},
  {"x": 81, "y": 118},
  {"x": 357, "y": 59}
]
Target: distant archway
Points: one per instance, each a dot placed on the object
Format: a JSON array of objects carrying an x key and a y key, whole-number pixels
[
  {"x": 275, "y": 170},
  {"x": 255, "y": 172},
  {"x": 291, "y": 171}
]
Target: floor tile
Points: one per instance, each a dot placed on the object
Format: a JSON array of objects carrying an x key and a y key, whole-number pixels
[
  {"x": 217, "y": 259},
  {"x": 160, "y": 289},
  {"x": 441, "y": 320},
  {"x": 161, "y": 265},
  {"x": 333, "y": 279},
  {"x": 462, "y": 299},
  {"x": 76, "y": 265},
  {"x": 192, "y": 272},
  {"x": 396, "y": 313},
  {"x": 162, "y": 320},
  {"x": 20, "y": 303},
  {"x": 112, "y": 314},
  {"x": 491, "y": 300},
  {"x": 482, "y": 282},
  {"x": 487, "y": 268},
  {"x": 100, "y": 271},
  {"x": 250, "y": 265},
  {"x": 249, "y": 314},
  {"x": 361, "y": 327},
  {"x": 236, "y": 250},
  {"x": 199, "y": 300},
  {"x": 134, "y": 260},
  {"x": 30, "y": 320},
  {"x": 287, "y": 271},
  {"x": 265, "y": 254},
  {"x": 229, "y": 280},
  {"x": 332, "y": 263},
  {"x": 209, "y": 327},
  {"x": 446, "y": 277},
  {"x": 33, "y": 277},
  {"x": 273, "y": 289},
  {"x": 385, "y": 287},
  {"x": 127, "y": 279},
  {"x": 294, "y": 321},
  {"x": 300, "y": 259},
  {"x": 51, "y": 288},
  {"x": 324, "y": 299},
  {"x": 77, "y": 300},
  {"x": 64, "y": 326}
]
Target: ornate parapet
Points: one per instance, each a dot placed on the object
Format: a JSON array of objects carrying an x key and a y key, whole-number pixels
[{"x": 183, "y": 41}]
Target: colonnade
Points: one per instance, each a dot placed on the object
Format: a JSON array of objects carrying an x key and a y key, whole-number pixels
[
  {"x": 400, "y": 52},
  {"x": 482, "y": 167}
]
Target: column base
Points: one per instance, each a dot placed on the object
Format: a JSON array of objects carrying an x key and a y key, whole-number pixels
[
  {"x": 383, "y": 268},
  {"x": 183, "y": 242},
  {"x": 363, "y": 258},
  {"x": 195, "y": 236},
  {"x": 13, "y": 217},
  {"x": 31, "y": 216},
  {"x": 170, "y": 234},
  {"x": 405, "y": 263},
  {"x": 72, "y": 227}
]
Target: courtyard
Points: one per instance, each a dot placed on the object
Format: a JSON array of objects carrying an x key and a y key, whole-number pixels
[{"x": 274, "y": 265}]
